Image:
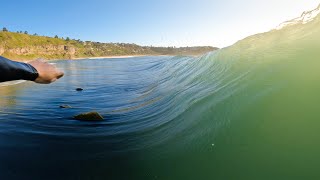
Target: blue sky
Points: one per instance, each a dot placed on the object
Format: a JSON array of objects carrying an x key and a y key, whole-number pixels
[{"x": 154, "y": 22}]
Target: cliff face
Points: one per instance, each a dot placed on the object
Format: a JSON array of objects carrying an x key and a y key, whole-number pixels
[
  {"x": 46, "y": 51},
  {"x": 1, "y": 50},
  {"x": 42, "y": 50}
]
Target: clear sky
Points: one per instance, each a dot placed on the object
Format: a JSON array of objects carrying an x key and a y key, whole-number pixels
[{"x": 151, "y": 22}]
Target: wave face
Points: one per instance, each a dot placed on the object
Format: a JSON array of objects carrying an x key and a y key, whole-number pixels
[{"x": 249, "y": 111}]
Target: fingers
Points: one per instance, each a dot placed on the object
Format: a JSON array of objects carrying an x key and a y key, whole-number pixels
[{"x": 60, "y": 74}]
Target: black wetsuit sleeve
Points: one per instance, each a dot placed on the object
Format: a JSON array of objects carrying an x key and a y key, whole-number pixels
[{"x": 12, "y": 70}]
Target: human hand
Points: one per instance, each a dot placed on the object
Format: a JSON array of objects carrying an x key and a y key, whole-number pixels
[{"x": 48, "y": 73}]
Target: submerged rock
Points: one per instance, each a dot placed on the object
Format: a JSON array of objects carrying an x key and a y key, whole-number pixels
[
  {"x": 90, "y": 116},
  {"x": 79, "y": 89},
  {"x": 65, "y": 106}
]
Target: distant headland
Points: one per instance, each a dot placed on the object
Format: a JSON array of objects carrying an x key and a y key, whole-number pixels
[{"x": 23, "y": 46}]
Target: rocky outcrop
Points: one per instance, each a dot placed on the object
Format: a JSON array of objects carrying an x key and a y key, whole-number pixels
[
  {"x": 71, "y": 51},
  {"x": 90, "y": 116}
]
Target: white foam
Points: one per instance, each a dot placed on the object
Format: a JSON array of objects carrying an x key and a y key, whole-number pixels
[
  {"x": 306, "y": 17},
  {"x": 10, "y": 83}
]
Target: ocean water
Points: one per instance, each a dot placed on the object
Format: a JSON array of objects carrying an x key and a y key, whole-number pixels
[{"x": 248, "y": 111}]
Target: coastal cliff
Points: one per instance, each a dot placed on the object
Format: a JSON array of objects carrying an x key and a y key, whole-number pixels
[{"x": 20, "y": 46}]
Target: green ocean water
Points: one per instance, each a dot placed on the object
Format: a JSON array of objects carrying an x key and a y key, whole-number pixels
[{"x": 264, "y": 122}]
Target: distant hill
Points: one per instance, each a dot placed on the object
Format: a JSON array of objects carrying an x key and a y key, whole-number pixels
[{"x": 23, "y": 46}]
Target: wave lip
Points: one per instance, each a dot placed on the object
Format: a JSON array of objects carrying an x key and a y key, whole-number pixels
[{"x": 305, "y": 17}]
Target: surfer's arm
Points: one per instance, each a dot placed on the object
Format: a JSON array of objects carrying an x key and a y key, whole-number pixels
[
  {"x": 12, "y": 70},
  {"x": 37, "y": 71}
]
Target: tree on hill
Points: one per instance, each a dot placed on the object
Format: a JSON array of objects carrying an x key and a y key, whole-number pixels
[
  {"x": 26, "y": 32},
  {"x": 67, "y": 39},
  {"x": 35, "y": 34},
  {"x": 56, "y": 36},
  {"x": 4, "y": 29}
]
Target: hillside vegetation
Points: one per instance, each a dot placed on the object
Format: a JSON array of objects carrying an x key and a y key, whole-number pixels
[{"x": 23, "y": 46}]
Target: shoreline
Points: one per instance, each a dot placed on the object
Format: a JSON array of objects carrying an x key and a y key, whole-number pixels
[{"x": 110, "y": 57}]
